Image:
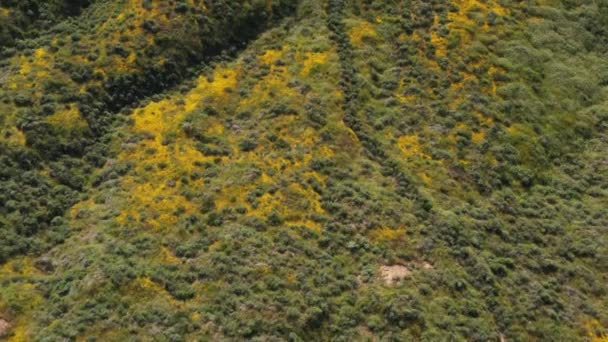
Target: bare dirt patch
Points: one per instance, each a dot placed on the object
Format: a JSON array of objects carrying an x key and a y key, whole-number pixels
[
  {"x": 4, "y": 326},
  {"x": 394, "y": 273},
  {"x": 425, "y": 265}
]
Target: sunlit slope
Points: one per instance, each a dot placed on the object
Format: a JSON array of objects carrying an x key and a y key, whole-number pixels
[
  {"x": 457, "y": 146},
  {"x": 63, "y": 91},
  {"x": 235, "y": 154},
  {"x": 115, "y": 53}
]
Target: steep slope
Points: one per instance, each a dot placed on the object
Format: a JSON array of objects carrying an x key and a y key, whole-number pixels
[
  {"x": 64, "y": 90},
  {"x": 403, "y": 170}
]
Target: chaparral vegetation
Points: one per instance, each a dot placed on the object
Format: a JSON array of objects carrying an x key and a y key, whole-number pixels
[{"x": 304, "y": 170}]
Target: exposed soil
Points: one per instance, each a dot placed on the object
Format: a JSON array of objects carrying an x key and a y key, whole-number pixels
[
  {"x": 394, "y": 273},
  {"x": 391, "y": 274},
  {"x": 4, "y": 326}
]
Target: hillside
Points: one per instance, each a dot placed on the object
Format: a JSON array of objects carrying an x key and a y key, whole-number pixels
[{"x": 312, "y": 170}]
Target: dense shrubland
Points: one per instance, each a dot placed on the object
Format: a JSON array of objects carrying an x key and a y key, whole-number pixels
[
  {"x": 185, "y": 178},
  {"x": 21, "y": 19},
  {"x": 62, "y": 95}
]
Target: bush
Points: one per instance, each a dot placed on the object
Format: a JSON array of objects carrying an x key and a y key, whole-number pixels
[{"x": 248, "y": 145}]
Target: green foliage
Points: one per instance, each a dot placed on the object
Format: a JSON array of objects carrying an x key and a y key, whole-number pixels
[{"x": 391, "y": 170}]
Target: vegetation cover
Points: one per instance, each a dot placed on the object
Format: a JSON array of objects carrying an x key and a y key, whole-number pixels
[{"x": 269, "y": 170}]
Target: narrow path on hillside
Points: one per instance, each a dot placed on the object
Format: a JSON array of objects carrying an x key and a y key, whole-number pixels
[{"x": 350, "y": 87}]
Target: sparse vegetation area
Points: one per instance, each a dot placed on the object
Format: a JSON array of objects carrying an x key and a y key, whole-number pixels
[{"x": 303, "y": 170}]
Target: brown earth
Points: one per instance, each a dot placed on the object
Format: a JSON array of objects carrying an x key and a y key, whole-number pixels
[{"x": 4, "y": 326}]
